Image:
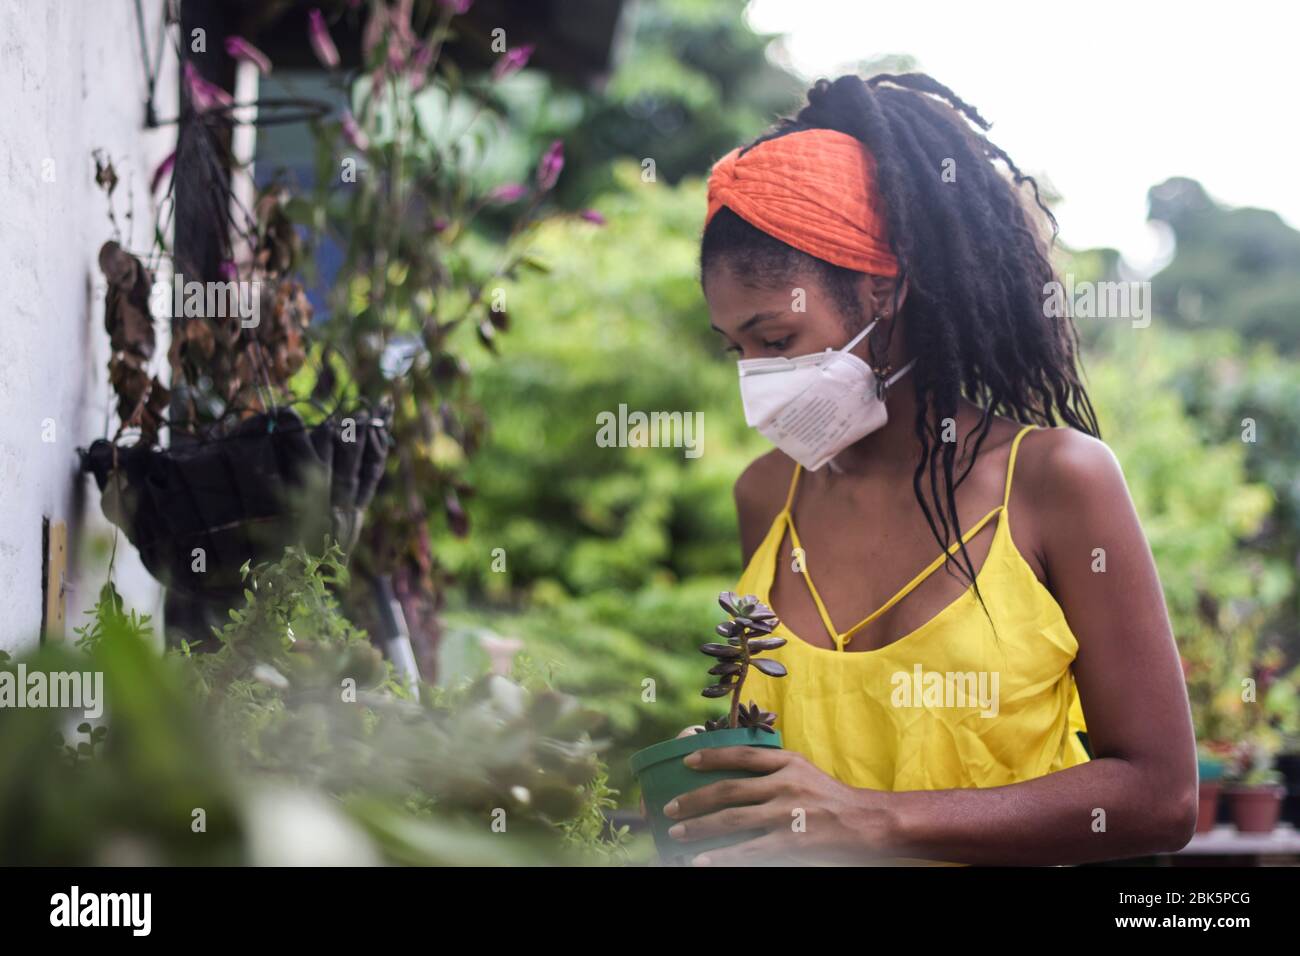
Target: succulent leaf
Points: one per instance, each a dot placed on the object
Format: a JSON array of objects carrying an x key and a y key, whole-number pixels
[{"x": 726, "y": 651}]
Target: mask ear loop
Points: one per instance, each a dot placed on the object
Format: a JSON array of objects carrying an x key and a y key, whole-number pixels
[
  {"x": 884, "y": 372},
  {"x": 884, "y": 384},
  {"x": 852, "y": 343}
]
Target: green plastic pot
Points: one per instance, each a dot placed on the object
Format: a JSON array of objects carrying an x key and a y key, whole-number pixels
[{"x": 663, "y": 776}]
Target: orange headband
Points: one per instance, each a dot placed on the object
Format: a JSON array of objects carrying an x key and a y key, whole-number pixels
[{"x": 814, "y": 190}]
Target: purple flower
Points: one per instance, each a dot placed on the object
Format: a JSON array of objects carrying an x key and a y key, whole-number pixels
[
  {"x": 396, "y": 58},
  {"x": 512, "y": 61},
  {"x": 458, "y": 6},
  {"x": 592, "y": 216},
  {"x": 548, "y": 170},
  {"x": 204, "y": 95},
  {"x": 440, "y": 224},
  {"x": 353, "y": 133},
  {"x": 228, "y": 271},
  {"x": 240, "y": 49},
  {"x": 321, "y": 42},
  {"x": 164, "y": 169},
  {"x": 417, "y": 69},
  {"x": 374, "y": 30},
  {"x": 509, "y": 192}
]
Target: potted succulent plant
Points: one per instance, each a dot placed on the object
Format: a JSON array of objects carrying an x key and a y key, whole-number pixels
[
  {"x": 659, "y": 769},
  {"x": 1255, "y": 795}
]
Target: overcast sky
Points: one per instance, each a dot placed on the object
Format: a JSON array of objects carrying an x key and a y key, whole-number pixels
[{"x": 1106, "y": 98}]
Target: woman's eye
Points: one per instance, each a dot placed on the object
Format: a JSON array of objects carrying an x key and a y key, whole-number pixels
[
  {"x": 733, "y": 348},
  {"x": 780, "y": 345}
]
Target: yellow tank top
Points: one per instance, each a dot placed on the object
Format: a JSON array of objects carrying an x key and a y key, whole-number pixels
[{"x": 949, "y": 705}]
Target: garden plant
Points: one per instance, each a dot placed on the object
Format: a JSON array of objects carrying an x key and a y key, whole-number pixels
[{"x": 659, "y": 769}]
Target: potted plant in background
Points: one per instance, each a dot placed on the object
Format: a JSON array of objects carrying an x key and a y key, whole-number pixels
[
  {"x": 1255, "y": 792},
  {"x": 1253, "y": 781},
  {"x": 408, "y": 222},
  {"x": 243, "y": 476},
  {"x": 659, "y": 768},
  {"x": 1211, "y": 763}
]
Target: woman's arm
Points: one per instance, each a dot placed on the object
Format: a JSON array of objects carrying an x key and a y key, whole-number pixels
[{"x": 1136, "y": 797}]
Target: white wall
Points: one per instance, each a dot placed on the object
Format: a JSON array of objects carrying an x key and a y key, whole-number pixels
[{"x": 72, "y": 81}]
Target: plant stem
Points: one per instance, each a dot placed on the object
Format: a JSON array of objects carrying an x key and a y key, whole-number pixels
[{"x": 734, "y": 716}]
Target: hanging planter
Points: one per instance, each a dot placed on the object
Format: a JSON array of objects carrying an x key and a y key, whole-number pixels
[
  {"x": 197, "y": 513},
  {"x": 244, "y": 476}
]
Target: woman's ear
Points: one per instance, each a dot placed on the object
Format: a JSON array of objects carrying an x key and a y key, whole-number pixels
[{"x": 882, "y": 296}]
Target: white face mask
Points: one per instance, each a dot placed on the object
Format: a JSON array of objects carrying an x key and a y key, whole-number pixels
[{"x": 814, "y": 406}]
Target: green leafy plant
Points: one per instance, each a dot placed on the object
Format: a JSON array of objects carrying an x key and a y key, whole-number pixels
[
  {"x": 109, "y": 615},
  {"x": 296, "y": 702},
  {"x": 748, "y": 630},
  {"x": 430, "y": 228},
  {"x": 1252, "y": 763}
]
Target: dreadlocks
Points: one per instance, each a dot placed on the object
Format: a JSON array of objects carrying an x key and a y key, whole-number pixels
[{"x": 975, "y": 260}]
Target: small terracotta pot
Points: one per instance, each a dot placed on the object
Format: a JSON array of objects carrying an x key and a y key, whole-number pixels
[
  {"x": 1208, "y": 807},
  {"x": 1256, "y": 809}
]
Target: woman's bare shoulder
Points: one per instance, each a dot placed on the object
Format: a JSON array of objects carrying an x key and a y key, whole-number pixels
[{"x": 1057, "y": 462}]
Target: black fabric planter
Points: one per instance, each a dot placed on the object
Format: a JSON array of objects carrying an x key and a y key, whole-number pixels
[{"x": 268, "y": 484}]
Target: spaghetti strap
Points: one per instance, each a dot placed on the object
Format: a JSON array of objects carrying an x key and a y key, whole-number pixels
[
  {"x": 1011, "y": 463},
  {"x": 911, "y": 585},
  {"x": 843, "y": 639},
  {"x": 822, "y": 612},
  {"x": 794, "y": 484}
]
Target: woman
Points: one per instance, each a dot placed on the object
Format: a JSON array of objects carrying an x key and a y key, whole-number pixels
[{"x": 981, "y": 579}]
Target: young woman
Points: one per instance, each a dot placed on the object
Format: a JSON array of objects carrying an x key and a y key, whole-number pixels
[{"x": 981, "y": 579}]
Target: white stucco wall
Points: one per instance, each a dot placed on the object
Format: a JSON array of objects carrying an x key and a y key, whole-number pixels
[{"x": 72, "y": 81}]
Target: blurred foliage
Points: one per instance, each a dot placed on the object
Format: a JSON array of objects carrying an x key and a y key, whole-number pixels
[
  {"x": 617, "y": 319},
  {"x": 1232, "y": 268},
  {"x": 628, "y": 654},
  {"x": 294, "y": 724},
  {"x": 694, "y": 82},
  {"x": 1213, "y": 503},
  {"x": 406, "y": 196},
  {"x": 1253, "y": 394},
  {"x": 1191, "y": 490},
  {"x": 611, "y": 558}
]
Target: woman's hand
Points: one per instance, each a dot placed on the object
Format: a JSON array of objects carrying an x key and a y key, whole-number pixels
[{"x": 808, "y": 815}]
